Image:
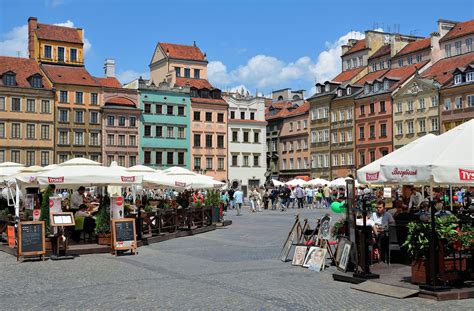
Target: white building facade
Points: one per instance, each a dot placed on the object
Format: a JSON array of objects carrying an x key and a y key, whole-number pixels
[{"x": 246, "y": 140}]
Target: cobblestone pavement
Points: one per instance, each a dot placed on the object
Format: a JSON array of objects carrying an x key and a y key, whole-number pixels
[{"x": 232, "y": 268}]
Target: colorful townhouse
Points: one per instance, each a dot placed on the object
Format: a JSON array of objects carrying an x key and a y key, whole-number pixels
[
  {"x": 185, "y": 67},
  {"x": 59, "y": 51},
  {"x": 246, "y": 140},
  {"x": 26, "y": 113},
  {"x": 120, "y": 120}
]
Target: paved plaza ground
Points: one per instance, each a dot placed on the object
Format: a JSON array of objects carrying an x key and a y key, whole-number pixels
[{"x": 234, "y": 268}]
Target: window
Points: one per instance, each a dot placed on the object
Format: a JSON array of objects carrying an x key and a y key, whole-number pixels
[
  {"x": 79, "y": 116},
  {"x": 376, "y": 87},
  {"x": 170, "y": 132},
  {"x": 44, "y": 131},
  {"x": 73, "y": 55},
  {"x": 110, "y": 139},
  {"x": 110, "y": 159},
  {"x": 9, "y": 79},
  {"x": 470, "y": 76},
  {"x": 361, "y": 62},
  {"x": 30, "y": 105},
  {"x": 47, "y": 51},
  {"x": 333, "y": 117},
  {"x": 291, "y": 126},
  {"x": 63, "y": 98},
  {"x": 318, "y": 89},
  {"x": 220, "y": 164},
  {"x": 79, "y": 138},
  {"x": 121, "y": 160},
  {"x": 208, "y": 116},
  {"x": 180, "y": 110},
  {"x": 235, "y": 136},
  {"x": 220, "y": 141},
  {"x": 15, "y": 156},
  {"x": 159, "y": 158},
  {"x": 372, "y": 108},
  {"x": 421, "y": 103},
  {"x": 169, "y": 110},
  {"x": 335, "y": 159},
  {"x": 159, "y": 109},
  {"x": 62, "y": 158},
  {"x": 348, "y": 64},
  {"x": 36, "y": 82},
  {"x": 339, "y": 93},
  {"x": 208, "y": 141},
  {"x": 94, "y": 98},
  {"x": 374, "y": 66},
  {"x": 470, "y": 100},
  {"x": 447, "y": 104},
  {"x": 45, "y": 106},
  {"x": 246, "y": 137},
  {"x": 197, "y": 74},
  {"x": 44, "y": 158},
  {"x": 79, "y": 96},
  {"x": 180, "y": 158},
  {"x": 351, "y": 159},
  {"x": 349, "y": 135},
  {"x": 132, "y": 160},
  {"x": 410, "y": 127},
  {"x": 242, "y": 115},
  {"x": 30, "y": 131},
  {"x": 343, "y": 137},
  {"x": 399, "y": 128},
  {"x": 256, "y": 138},
  {"x": 246, "y": 160},
  {"x": 327, "y": 87},
  {"x": 422, "y": 125},
  {"x": 121, "y": 120},
  {"x": 458, "y": 79},
  {"x": 2, "y": 131},
  {"x": 234, "y": 160},
  {"x": 16, "y": 104},
  {"x": 94, "y": 139},
  {"x": 400, "y": 62},
  {"x": 291, "y": 146},
  {"x": 305, "y": 124},
  {"x": 434, "y": 101},
  {"x": 434, "y": 124},
  {"x": 382, "y": 64},
  {"x": 372, "y": 155},
  {"x": 384, "y": 152},
  {"x": 63, "y": 137},
  {"x": 197, "y": 140},
  {"x": 169, "y": 158},
  {"x": 60, "y": 54},
  {"x": 362, "y": 110},
  {"x": 383, "y": 130},
  {"x": 181, "y": 133},
  {"x": 132, "y": 121},
  {"x": 372, "y": 131},
  {"x": 197, "y": 116},
  {"x": 348, "y": 91},
  {"x": 208, "y": 163},
  {"x": 94, "y": 117},
  {"x": 147, "y": 130},
  {"x": 458, "y": 102},
  {"x": 334, "y": 137},
  {"x": 177, "y": 71},
  {"x": 349, "y": 114},
  {"x": 382, "y": 106},
  {"x": 187, "y": 73},
  {"x": 361, "y": 132},
  {"x": 147, "y": 108},
  {"x": 305, "y": 144},
  {"x": 410, "y": 60},
  {"x": 457, "y": 47},
  {"x": 418, "y": 58},
  {"x": 342, "y": 115},
  {"x": 121, "y": 140},
  {"x": 147, "y": 157},
  {"x": 16, "y": 130},
  {"x": 410, "y": 106},
  {"x": 232, "y": 114},
  {"x": 447, "y": 50},
  {"x": 2, "y": 103},
  {"x": 469, "y": 45},
  {"x": 132, "y": 140},
  {"x": 30, "y": 158}
]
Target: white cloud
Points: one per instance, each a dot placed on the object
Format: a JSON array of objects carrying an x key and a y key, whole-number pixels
[
  {"x": 16, "y": 41},
  {"x": 127, "y": 76},
  {"x": 267, "y": 72}
]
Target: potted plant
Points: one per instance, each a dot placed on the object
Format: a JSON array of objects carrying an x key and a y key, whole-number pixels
[
  {"x": 339, "y": 228},
  {"x": 417, "y": 245},
  {"x": 102, "y": 222}
]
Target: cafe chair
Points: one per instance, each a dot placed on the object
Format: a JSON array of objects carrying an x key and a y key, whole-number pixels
[
  {"x": 393, "y": 244},
  {"x": 79, "y": 227}
]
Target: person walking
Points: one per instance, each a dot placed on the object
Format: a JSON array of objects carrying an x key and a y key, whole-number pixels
[
  {"x": 319, "y": 198},
  {"x": 292, "y": 198},
  {"x": 239, "y": 200},
  {"x": 309, "y": 196},
  {"x": 327, "y": 196},
  {"x": 274, "y": 197},
  {"x": 230, "y": 194},
  {"x": 253, "y": 199},
  {"x": 299, "y": 193},
  {"x": 266, "y": 198}
]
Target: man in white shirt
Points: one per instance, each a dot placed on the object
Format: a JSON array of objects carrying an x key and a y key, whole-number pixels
[
  {"x": 415, "y": 199},
  {"x": 77, "y": 198},
  {"x": 382, "y": 220}
]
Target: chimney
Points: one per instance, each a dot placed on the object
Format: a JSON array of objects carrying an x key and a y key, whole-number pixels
[
  {"x": 109, "y": 68},
  {"x": 81, "y": 33},
  {"x": 32, "y": 25}
]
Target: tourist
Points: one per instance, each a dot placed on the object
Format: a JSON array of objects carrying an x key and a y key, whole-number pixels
[
  {"x": 327, "y": 196},
  {"x": 415, "y": 199},
  {"x": 253, "y": 197},
  {"x": 397, "y": 208},
  {"x": 299, "y": 194},
  {"x": 319, "y": 198},
  {"x": 274, "y": 197},
  {"x": 230, "y": 193},
  {"x": 292, "y": 198},
  {"x": 382, "y": 220},
  {"x": 309, "y": 196},
  {"x": 239, "y": 200},
  {"x": 77, "y": 198},
  {"x": 266, "y": 198}
]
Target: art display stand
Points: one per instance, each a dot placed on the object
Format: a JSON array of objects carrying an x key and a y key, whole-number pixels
[
  {"x": 294, "y": 238},
  {"x": 60, "y": 241}
]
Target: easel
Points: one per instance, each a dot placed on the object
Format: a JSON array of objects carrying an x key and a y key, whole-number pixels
[
  {"x": 324, "y": 235},
  {"x": 294, "y": 237},
  {"x": 59, "y": 221}
]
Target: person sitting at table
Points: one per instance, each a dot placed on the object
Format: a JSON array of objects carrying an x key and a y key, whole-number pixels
[
  {"x": 82, "y": 211},
  {"x": 382, "y": 220},
  {"x": 77, "y": 198}
]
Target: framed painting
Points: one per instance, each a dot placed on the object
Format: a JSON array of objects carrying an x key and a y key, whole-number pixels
[
  {"x": 315, "y": 258},
  {"x": 344, "y": 248},
  {"x": 299, "y": 256}
]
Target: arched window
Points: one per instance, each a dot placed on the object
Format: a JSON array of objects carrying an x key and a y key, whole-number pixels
[{"x": 280, "y": 97}]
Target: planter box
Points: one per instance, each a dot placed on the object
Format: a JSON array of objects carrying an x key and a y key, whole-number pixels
[
  {"x": 104, "y": 239},
  {"x": 449, "y": 270}
]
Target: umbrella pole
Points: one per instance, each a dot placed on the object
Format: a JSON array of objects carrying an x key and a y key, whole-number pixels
[
  {"x": 17, "y": 202},
  {"x": 451, "y": 197}
]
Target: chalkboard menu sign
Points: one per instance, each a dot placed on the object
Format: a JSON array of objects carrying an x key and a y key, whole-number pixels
[
  {"x": 31, "y": 238},
  {"x": 124, "y": 234}
]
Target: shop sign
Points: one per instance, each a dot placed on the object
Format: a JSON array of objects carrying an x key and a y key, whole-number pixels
[
  {"x": 402, "y": 173},
  {"x": 466, "y": 174},
  {"x": 372, "y": 176},
  {"x": 55, "y": 180},
  {"x": 128, "y": 178}
]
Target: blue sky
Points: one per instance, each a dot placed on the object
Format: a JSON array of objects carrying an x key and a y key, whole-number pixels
[{"x": 264, "y": 45}]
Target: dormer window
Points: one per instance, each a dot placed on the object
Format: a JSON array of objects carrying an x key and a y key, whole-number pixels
[
  {"x": 194, "y": 93},
  {"x": 349, "y": 91},
  {"x": 318, "y": 89},
  {"x": 386, "y": 85},
  {"x": 376, "y": 87},
  {"x": 326, "y": 88},
  {"x": 9, "y": 79},
  {"x": 470, "y": 76},
  {"x": 367, "y": 89},
  {"x": 339, "y": 93},
  {"x": 458, "y": 79},
  {"x": 73, "y": 55},
  {"x": 36, "y": 82},
  {"x": 374, "y": 66},
  {"x": 47, "y": 51},
  {"x": 204, "y": 93}
]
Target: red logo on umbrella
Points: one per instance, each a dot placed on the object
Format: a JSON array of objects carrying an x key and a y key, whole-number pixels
[
  {"x": 466, "y": 174},
  {"x": 128, "y": 178},
  {"x": 372, "y": 176},
  {"x": 55, "y": 180}
]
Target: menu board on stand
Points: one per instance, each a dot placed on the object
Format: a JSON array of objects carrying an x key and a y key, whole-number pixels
[
  {"x": 31, "y": 240},
  {"x": 124, "y": 236}
]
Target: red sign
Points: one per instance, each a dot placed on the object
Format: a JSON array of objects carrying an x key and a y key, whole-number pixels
[
  {"x": 180, "y": 184},
  {"x": 11, "y": 236},
  {"x": 51, "y": 203},
  {"x": 119, "y": 201},
  {"x": 466, "y": 174},
  {"x": 372, "y": 176},
  {"x": 128, "y": 178},
  {"x": 406, "y": 172},
  {"x": 36, "y": 214},
  {"x": 55, "y": 180}
]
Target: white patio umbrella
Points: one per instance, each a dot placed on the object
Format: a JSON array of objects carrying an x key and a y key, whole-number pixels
[
  {"x": 370, "y": 174},
  {"x": 341, "y": 182},
  {"x": 447, "y": 159},
  {"x": 9, "y": 168},
  {"x": 295, "y": 182},
  {"x": 277, "y": 183},
  {"x": 317, "y": 182}
]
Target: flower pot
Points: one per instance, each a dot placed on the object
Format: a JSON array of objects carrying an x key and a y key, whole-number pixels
[
  {"x": 449, "y": 270},
  {"x": 104, "y": 239},
  {"x": 418, "y": 272}
]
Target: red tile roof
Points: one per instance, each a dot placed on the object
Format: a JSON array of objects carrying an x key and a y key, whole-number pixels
[
  {"x": 461, "y": 29},
  {"x": 288, "y": 111},
  {"x": 120, "y": 101},
  {"x": 347, "y": 75},
  {"x": 196, "y": 83},
  {"x": 442, "y": 70},
  {"x": 384, "y": 50},
  {"x": 69, "y": 75},
  {"x": 182, "y": 51},
  {"x": 403, "y": 73},
  {"x": 58, "y": 33},
  {"x": 23, "y": 68},
  {"x": 371, "y": 76},
  {"x": 208, "y": 100},
  {"x": 415, "y": 46},
  {"x": 109, "y": 82},
  {"x": 358, "y": 46}
]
